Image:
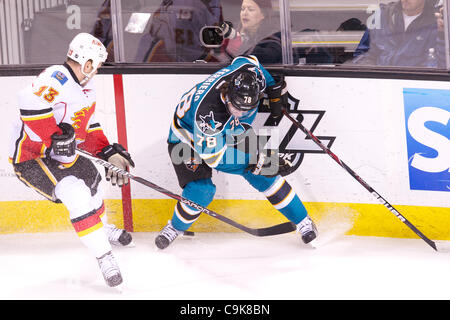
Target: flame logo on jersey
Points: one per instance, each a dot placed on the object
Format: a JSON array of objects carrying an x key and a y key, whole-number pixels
[{"x": 81, "y": 119}]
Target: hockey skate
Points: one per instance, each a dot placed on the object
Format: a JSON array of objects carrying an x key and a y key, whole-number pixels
[
  {"x": 167, "y": 235},
  {"x": 110, "y": 269},
  {"x": 118, "y": 237},
  {"x": 307, "y": 229}
]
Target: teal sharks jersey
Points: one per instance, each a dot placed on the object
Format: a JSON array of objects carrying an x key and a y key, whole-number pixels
[{"x": 202, "y": 121}]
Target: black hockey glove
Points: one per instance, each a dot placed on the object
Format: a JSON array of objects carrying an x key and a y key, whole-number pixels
[
  {"x": 269, "y": 164},
  {"x": 278, "y": 96},
  {"x": 118, "y": 156},
  {"x": 64, "y": 144}
]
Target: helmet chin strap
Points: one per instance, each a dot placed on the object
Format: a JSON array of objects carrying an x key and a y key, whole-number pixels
[
  {"x": 227, "y": 104},
  {"x": 85, "y": 80},
  {"x": 87, "y": 76}
]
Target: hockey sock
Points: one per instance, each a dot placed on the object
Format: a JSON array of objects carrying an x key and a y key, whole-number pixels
[
  {"x": 89, "y": 228},
  {"x": 199, "y": 191},
  {"x": 284, "y": 199},
  {"x": 184, "y": 216},
  {"x": 85, "y": 217},
  {"x": 280, "y": 194}
]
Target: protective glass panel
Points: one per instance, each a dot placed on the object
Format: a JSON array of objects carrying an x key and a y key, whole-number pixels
[
  {"x": 256, "y": 30},
  {"x": 171, "y": 31},
  {"x": 40, "y": 31},
  {"x": 402, "y": 33},
  {"x": 156, "y": 31},
  {"x": 399, "y": 33}
]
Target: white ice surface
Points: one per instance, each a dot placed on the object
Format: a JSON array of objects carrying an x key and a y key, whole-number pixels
[{"x": 226, "y": 266}]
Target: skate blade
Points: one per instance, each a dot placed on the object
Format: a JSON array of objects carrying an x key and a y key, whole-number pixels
[
  {"x": 119, "y": 245},
  {"x": 313, "y": 244},
  {"x": 130, "y": 245},
  {"x": 118, "y": 289}
]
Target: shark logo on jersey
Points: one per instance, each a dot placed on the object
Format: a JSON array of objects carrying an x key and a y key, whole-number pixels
[
  {"x": 209, "y": 125},
  {"x": 427, "y": 116},
  {"x": 291, "y": 143}
]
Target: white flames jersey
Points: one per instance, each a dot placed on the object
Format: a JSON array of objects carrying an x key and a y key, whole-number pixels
[{"x": 55, "y": 96}]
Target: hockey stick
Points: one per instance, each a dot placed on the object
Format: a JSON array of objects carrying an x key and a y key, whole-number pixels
[
  {"x": 261, "y": 232},
  {"x": 361, "y": 181}
]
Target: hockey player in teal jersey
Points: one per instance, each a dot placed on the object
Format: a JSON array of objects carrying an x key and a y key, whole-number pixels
[{"x": 211, "y": 129}]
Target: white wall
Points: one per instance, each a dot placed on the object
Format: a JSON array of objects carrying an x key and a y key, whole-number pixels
[{"x": 366, "y": 117}]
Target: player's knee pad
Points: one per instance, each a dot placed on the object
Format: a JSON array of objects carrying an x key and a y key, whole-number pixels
[
  {"x": 200, "y": 191},
  {"x": 97, "y": 198},
  {"x": 75, "y": 195}
]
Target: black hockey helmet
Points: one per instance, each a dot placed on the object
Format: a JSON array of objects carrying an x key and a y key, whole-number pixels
[{"x": 244, "y": 91}]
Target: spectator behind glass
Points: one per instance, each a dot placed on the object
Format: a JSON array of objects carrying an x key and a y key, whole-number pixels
[
  {"x": 405, "y": 37},
  {"x": 352, "y": 24},
  {"x": 174, "y": 31},
  {"x": 257, "y": 33},
  {"x": 440, "y": 53},
  {"x": 103, "y": 29}
]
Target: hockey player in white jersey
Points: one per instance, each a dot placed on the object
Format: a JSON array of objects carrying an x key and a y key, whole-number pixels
[
  {"x": 57, "y": 114},
  {"x": 209, "y": 127}
]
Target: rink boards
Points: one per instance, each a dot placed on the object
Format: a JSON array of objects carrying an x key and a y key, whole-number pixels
[{"x": 392, "y": 133}]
